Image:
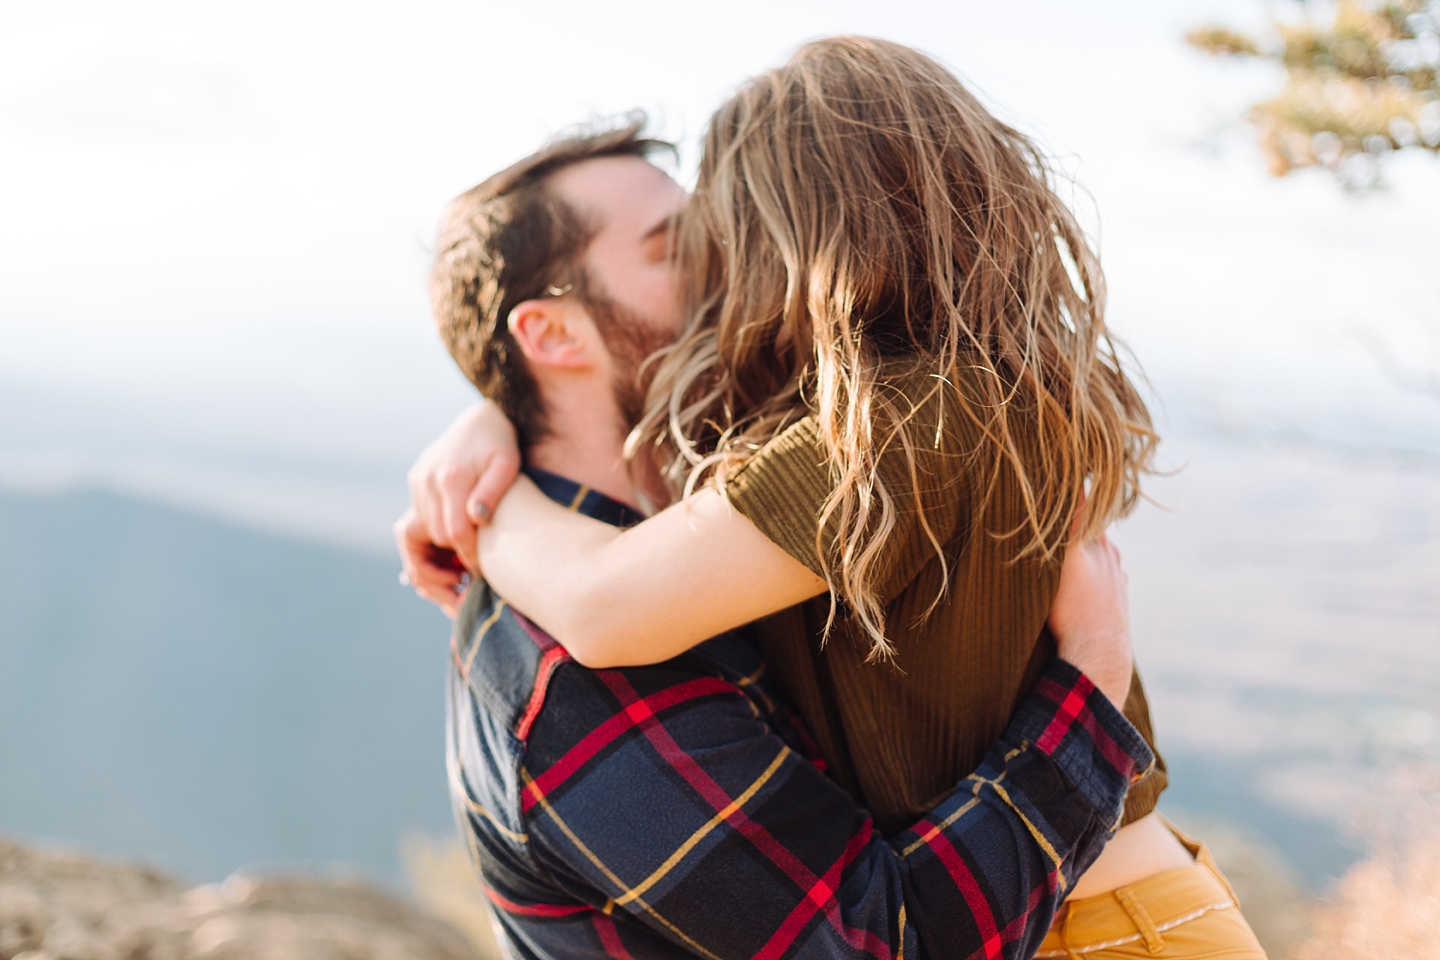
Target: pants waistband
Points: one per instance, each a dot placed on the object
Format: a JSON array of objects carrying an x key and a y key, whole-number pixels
[{"x": 1143, "y": 910}]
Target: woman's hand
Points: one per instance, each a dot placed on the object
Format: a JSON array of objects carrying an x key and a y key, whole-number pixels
[
  {"x": 436, "y": 573},
  {"x": 1091, "y": 617},
  {"x": 454, "y": 488}
]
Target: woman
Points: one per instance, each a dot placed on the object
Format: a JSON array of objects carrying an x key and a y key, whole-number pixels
[{"x": 893, "y": 393}]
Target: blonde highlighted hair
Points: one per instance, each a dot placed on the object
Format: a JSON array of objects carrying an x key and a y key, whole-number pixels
[{"x": 858, "y": 208}]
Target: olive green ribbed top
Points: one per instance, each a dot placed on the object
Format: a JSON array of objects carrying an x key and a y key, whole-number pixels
[{"x": 901, "y": 736}]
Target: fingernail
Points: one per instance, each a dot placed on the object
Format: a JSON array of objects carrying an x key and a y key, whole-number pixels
[{"x": 482, "y": 511}]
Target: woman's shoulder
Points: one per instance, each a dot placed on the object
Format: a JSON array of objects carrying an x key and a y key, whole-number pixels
[
  {"x": 937, "y": 415},
  {"x": 782, "y": 489},
  {"x": 940, "y": 406}
]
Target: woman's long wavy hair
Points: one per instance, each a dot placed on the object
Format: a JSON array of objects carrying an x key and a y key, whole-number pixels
[{"x": 858, "y": 207}]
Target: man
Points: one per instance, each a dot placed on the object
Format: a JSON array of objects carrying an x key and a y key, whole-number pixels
[{"x": 679, "y": 808}]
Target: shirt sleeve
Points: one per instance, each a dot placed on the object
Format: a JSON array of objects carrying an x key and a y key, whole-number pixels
[
  {"x": 783, "y": 488},
  {"x": 693, "y": 818}
]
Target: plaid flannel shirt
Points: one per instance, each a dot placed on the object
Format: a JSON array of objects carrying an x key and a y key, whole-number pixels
[{"x": 681, "y": 810}]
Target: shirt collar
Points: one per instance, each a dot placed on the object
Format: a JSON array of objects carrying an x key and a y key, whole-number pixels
[{"x": 582, "y": 499}]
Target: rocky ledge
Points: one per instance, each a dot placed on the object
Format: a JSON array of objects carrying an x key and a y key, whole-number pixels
[{"x": 57, "y": 905}]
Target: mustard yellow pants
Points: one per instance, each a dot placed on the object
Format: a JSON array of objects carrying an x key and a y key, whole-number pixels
[{"x": 1181, "y": 914}]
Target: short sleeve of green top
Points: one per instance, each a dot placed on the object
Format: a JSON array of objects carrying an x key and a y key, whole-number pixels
[
  {"x": 899, "y": 736},
  {"x": 784, "y": 489}
]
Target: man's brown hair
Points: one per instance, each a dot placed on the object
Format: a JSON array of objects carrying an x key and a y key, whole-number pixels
[{"x": 511, "y": 239}]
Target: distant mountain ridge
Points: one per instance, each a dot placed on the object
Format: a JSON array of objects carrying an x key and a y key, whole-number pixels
[{"x": 210, "y": 695}]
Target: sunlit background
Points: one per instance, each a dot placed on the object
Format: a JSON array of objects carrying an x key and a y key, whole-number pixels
[{"x": 216, "y": 364}]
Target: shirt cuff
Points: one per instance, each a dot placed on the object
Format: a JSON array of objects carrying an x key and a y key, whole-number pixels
[{"x": 1079, "y": 729}]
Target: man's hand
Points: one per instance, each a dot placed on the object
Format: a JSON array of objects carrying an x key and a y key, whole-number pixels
[
  {"x": 457, "y": 480},
  {"x": 1091, "y": 617}
]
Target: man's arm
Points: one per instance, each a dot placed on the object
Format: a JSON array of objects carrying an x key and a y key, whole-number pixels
[{"x": 695, "y": 817}]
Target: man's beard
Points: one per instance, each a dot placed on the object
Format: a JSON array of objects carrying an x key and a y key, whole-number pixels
[{"x": 630, "y": 341}]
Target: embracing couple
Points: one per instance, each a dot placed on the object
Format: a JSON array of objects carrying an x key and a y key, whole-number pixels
[{"x": 793, "y": 629}]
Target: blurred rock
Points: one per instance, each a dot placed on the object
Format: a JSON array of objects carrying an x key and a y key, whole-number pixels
[
  {"x": 1385, "y": 906},
  {"x": 444, "y": 883},
  {"x": 67, "y": 906}
]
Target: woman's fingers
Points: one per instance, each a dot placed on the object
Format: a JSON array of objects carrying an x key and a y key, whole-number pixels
[
  {"x": 496, "y": 477},
  {"x": 455, "y": 528},
  {"x": 443, "y": 590},
  {"x": 431, "y": 570},
  {"x": 455, "y": 485},
  {"x": 426, "y": 506}
]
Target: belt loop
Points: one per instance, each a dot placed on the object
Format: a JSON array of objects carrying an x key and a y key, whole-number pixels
[
  {"x": 1065, "y": 931},
  {"x": 1141, "y": 918}
]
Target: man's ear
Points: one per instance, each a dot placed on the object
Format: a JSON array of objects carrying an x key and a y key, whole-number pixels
[{"x": 550, "y": 333}]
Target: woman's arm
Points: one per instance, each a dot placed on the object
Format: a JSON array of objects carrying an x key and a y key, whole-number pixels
[
  {"x": 614, "y": 599},
  {"x": 623, "y": 598}
]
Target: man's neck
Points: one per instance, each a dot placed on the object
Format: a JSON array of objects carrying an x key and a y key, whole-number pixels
[{"x": 586, "y": 445}]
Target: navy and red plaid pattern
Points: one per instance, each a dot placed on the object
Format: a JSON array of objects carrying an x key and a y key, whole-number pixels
[{"x": 676, "y": 810}]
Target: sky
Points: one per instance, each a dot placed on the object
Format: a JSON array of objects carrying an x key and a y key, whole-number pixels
[{"x": 215, "y": 221}]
